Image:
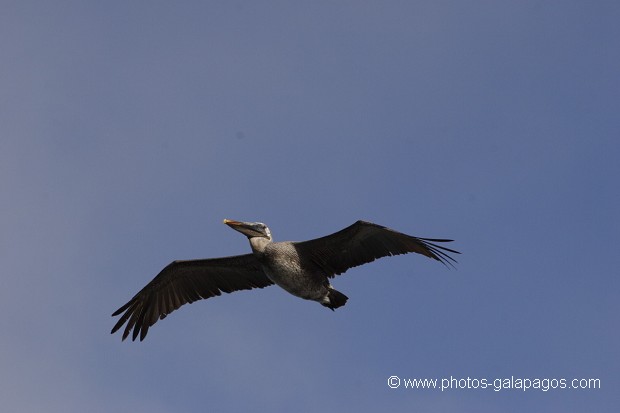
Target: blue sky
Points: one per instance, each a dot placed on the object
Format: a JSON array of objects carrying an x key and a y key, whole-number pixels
[{"x": 128, "y": 131}]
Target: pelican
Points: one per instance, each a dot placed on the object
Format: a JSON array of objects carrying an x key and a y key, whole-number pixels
[{"x": 301, "y": 268}]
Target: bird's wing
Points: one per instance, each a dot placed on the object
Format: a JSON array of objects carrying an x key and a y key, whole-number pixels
[
  {"x": 183, "y": 282},
  {"x": 364, "y": 242}
]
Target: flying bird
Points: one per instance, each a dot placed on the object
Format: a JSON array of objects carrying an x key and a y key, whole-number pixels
[{"x": 301, "y": 268}]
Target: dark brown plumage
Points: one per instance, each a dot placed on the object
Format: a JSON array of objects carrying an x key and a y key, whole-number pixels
[{"x": 183, "y": 282}]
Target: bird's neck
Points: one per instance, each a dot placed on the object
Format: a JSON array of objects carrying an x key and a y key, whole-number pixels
[{"x": 259, "y": 244}]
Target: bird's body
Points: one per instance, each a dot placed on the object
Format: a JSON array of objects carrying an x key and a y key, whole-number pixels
[
  {"x": 301, "y": 268},
  {"x": 282, "y": 265}
]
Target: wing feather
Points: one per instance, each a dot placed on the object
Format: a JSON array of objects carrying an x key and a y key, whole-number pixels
[
  {"x": 364, "y": 242},
  {"x": 183, "y": 282}
]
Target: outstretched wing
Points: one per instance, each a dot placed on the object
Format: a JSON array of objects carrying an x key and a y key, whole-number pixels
[
  {"x": 364, "y": 242},
  {"x": 183, "y": 282}
]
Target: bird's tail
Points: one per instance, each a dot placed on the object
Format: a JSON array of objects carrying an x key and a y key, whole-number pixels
[{"x": 334, "y": 299}]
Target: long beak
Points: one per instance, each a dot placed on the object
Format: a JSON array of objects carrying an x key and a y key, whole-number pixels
[
  {"x": 232, "y": 222},
  {"x": 245, "y": 228}
]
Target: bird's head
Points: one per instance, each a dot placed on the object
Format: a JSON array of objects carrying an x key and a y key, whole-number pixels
[{"x": 250, "y": 229}]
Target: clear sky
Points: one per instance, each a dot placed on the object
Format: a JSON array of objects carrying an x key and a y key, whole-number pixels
[{"x": 129, "y": 130}]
